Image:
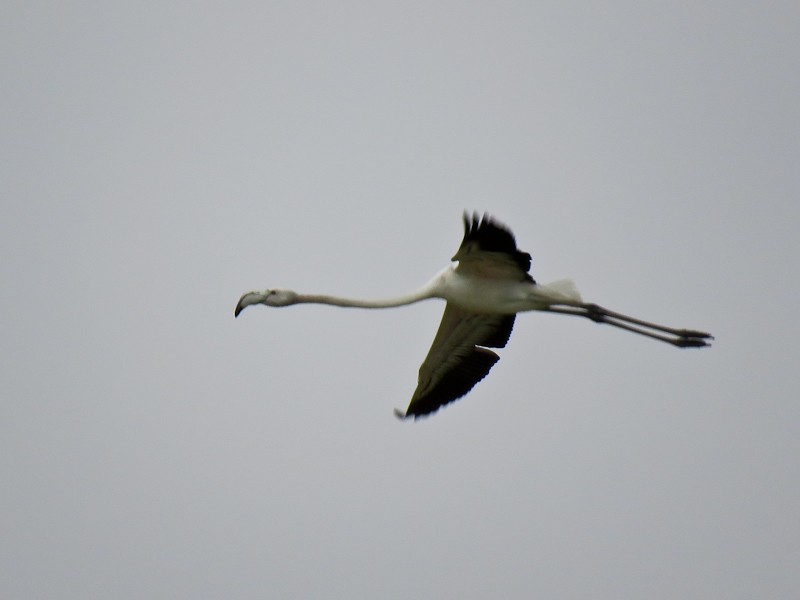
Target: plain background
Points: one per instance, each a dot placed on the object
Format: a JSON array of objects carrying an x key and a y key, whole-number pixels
[{"x": 158, "y": 159}]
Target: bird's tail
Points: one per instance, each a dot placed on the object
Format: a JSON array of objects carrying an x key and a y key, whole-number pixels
[{"x": 562, "y": 291}]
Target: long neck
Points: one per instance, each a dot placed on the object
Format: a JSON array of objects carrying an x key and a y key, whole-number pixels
[{"x": 415, "y": 296}]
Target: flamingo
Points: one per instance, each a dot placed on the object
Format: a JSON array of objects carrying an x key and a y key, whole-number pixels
[{"x": 486, "y": 284}]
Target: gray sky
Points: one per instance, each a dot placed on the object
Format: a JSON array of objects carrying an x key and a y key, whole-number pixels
[{"x": 159, "y": 159}]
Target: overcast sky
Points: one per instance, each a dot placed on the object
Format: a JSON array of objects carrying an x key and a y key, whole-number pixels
[{"x": 158, "y": 159}]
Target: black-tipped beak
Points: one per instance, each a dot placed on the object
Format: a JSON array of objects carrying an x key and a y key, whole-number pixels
[
  {"x": 246, "y": 300},
  {"x": 240, "y": 306}
]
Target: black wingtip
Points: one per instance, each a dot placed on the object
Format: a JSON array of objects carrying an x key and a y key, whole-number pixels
[
  {"x": 400, "y": 414},
  {"x": 493, "y": 236}
]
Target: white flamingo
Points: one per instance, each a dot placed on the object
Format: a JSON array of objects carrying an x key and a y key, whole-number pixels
[{"x": 485, "y": 287}]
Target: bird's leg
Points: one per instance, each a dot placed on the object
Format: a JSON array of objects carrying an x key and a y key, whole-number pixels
[
  {"x": 686, "y": 333},
  {"x": 682, "y": 338}
]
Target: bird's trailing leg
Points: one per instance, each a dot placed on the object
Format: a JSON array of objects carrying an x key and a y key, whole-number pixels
[{"x": 682, "y": 338}]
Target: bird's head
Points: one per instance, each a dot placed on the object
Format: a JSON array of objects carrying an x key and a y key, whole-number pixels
[{"x": 267, "y": 297}]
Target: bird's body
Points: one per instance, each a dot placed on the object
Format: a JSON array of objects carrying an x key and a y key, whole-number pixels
[
  {"x": 481, "y": 290},
  {"x": 486, "y": 286}
]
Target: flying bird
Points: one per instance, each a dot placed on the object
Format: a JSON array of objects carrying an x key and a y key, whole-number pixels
[{"x": 486, "y": 284}]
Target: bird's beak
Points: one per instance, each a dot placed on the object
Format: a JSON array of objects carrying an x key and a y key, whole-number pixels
[{"x": 246, "y": 300}]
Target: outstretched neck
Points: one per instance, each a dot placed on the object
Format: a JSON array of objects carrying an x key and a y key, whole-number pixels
[
  {"x": 433, "y": 289},
  {"x": 411, "y": 298}
]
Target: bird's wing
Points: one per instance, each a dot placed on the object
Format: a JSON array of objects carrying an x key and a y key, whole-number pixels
[
  {"x": 490, "y": 250},
  {"x": 458, "y": 359}
]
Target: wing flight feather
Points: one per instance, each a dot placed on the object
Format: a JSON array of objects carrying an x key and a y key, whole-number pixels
[
  {"x": 488, "y": 240},
  {"x": 458, "y": 358}
]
